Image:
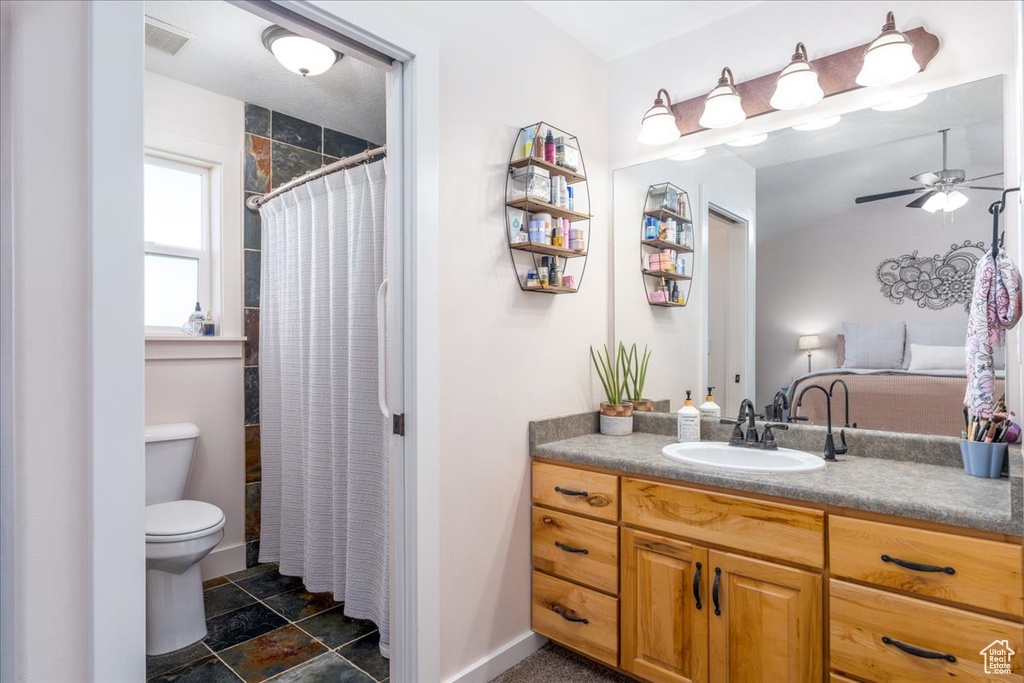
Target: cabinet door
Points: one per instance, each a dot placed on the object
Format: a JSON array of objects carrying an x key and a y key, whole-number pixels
[
  {"x": 664, "y": 626},
  {"x": 765, "y": 622}
]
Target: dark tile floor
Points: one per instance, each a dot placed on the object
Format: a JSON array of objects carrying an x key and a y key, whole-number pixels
[{"x": 263, "y": 626}]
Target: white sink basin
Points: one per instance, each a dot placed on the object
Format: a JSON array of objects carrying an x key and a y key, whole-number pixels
[{"x": 722, "y": 456}]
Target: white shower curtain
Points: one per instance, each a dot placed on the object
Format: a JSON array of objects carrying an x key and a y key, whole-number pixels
[{"x": 323, "y": 438}]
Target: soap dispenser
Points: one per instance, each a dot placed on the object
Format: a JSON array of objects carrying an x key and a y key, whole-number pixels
[
  {"x": 709, "y": 408},
  {"x": 688, "y": 422}
]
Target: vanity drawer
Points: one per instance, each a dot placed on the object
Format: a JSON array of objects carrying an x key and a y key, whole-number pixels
[
  {"x": 580, "y": 618},
  {"x": 578, "y": 549},
  {"x": 567, "y": 488},
  {"x": 985, "y": 574},
  {"x": 776, "y": 530},
  {"x": 861, "y": 617}
]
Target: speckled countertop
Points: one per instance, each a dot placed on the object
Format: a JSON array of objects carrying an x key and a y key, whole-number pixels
[{"x": 898, "y": 487}]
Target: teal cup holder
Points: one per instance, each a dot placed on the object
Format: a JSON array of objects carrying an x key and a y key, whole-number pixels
[{"x": 983, "y": 459}]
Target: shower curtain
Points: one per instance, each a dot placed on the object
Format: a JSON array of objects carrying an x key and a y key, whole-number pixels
[{"x": 324, "y": 441}]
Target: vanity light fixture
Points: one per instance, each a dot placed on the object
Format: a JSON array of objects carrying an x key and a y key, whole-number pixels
[
  {"x": 897, "y": 105},
  {"x": 723, "y": 108},
  {"x": 889, "y": 58},
  {"x": 797, "y": 86},
  {"x": 818, "y": 124},
  {"x": 299, "y": 54},
  {"x": 658, "y": 126},
  {"x": 945, "y": 201},
  {"x": 748, "y": 142},
  {"x": 689, "y": 155}
]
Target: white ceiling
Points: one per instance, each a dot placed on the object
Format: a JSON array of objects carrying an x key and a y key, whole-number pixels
[
  {"x": 227, "y": 56},
  {"x": 615, "y": 28}
]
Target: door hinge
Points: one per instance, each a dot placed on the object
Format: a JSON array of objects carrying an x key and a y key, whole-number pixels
[{"x": 398, "y": 424}]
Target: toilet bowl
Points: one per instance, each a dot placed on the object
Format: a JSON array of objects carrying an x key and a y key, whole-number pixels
[{"x": 179, "y": 533}]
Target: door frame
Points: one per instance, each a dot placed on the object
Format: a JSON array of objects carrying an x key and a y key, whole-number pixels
[{"x": 708, "y": 206}]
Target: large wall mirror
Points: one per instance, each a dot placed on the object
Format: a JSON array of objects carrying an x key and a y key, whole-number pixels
[{"x": 796, "y": 283}]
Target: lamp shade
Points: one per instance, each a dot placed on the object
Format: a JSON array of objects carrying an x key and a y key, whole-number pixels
[
  {"x": 808, "y": 342},
  {"x": 658, "y": 125},
  {"x": 797, "y": 86},
  {"x": 889, "y": 59},
  {"x": 298, "y": 54},
  {"x": 945, "y": 201},
  {"x": 954, "y": 200},
  {"x": 723, "y": 107}
]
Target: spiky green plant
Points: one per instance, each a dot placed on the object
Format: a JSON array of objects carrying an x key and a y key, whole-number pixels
[
  {"x": 636, "y": 373},
  {"x": 613, "y": 373}
]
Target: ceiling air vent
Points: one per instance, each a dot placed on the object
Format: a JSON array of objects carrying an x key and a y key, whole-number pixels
[{"x": 164, "y": 37}]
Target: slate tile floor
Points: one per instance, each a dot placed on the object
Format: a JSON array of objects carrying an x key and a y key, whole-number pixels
[{"x": 263, "y": 626}]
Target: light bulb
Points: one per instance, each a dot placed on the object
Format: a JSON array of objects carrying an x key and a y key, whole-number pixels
[
  {"x": 937, "y": 202},
  {"x": 889, "y": 59},
  {"x": 723, "y": 108},
  {"x": 300, "y": 55},
  {"x": 658, "y": 126},
  {"x": 797, "y": 86},
  {"x": 954, "y": 200}
]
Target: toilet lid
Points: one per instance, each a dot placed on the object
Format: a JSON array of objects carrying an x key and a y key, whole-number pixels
[{"x": 181, "y": 517}]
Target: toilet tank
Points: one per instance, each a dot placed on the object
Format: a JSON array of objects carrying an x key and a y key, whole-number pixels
[{"x": 169, "y": 452}]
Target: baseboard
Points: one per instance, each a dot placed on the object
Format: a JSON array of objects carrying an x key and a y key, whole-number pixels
[
  {"x": 223, "y": 561},
  {"x": 490, "y": 666}
]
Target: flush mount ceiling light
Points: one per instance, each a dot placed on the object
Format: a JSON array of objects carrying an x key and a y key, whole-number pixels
[
  {"x": 658, "y": 126},
  {"x": 688, "y": 156},
  {"x": 949, "y": 200},
  {"x": 818, "y": 124},
  {"x": 748, "y": 142},
  {"x": 797, "y": 86},
  {"x": 723, "y": 108},
  {"x": 889, "y": 58},
  {"x": 296, "y": 53},
  {"x": 897, "y": 105}
]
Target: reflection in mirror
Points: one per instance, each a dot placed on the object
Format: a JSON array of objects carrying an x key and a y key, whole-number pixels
[{"x": 835, "y": 256}]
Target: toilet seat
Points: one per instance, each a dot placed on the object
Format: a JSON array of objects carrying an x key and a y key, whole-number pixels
[{"x": 182, "y": 520}]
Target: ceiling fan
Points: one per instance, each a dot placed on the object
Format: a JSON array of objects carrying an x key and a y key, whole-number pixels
[{"x": 941, "y": 188}]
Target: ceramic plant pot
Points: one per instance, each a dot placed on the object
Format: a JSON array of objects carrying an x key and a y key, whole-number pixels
[
  {"x": 617, "y": 419},
  {"x": 644, "y": 405}
]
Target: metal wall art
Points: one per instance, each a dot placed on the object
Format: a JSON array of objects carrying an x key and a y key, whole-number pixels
[{"x": 934, "y": 282}]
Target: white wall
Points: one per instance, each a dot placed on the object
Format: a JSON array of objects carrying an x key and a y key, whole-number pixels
[
  {"x": 675, "y": 335},
  {"x": 200, "y": 380}
]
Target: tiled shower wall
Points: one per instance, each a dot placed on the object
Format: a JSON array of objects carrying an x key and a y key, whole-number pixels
[{"x": 278, "y": 148}]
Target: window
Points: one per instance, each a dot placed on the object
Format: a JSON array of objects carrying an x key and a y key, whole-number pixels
[{"x": 177, "y": 233}]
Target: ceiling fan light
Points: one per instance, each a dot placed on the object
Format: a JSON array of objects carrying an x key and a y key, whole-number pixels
[
  {"x": 954, "y": 200},
  {"x": 797, "y": 86},
  {"x": 299, "y": 54},
  {"x": 937, "y": 202},
  {"x": 658, "y": 125},
  {"x": 723, "y": 107},
  {"x": 889, "y": 58}
]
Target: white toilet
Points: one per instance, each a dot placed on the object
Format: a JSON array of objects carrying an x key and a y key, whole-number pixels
[{"x": 179, "y": 533}]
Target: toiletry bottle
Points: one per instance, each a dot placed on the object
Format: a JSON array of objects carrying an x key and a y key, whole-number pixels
[
  {"x": 688, "y": 423},
  {"x": 528, "y": 144},
  {"x": 709, "y": 408},
  {"x": 542, "y": 272},
  {"x": 572, "y": 203},
  {"x": 675, "y": 291},
  {"x": 555, "y": 274},
  {"x": 549, "y": 148},
  {"x": 208, "y": 326},
  {"x": 538, "y": 144}
]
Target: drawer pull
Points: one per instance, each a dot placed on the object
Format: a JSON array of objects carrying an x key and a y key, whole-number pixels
[
  {"x": 570, "y": 549},
  {"x": 696, "y": 587},
  {"x": 714, "y": 591},
  {"x": 561, "y": 611},
  {"x": 918, "y": 567},
  {"x": 918, "y": 652},
  {"x": 570, "y": 492}
]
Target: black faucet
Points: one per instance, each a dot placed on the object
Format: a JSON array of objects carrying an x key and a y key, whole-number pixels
[
  {"x": 830, "y": 447},
  {"x": 780, "y": 403},
  {"x": 747, "y": 412},
  {"x": 846, "y": 395}
]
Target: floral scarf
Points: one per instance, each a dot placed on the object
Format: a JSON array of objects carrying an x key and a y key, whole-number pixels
[{"x": 995, "y": 307}]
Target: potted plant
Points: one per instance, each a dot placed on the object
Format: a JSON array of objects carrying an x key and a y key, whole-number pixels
[
  {"x": 637, "y": 378},
  {"x": 616, "y": 412}
]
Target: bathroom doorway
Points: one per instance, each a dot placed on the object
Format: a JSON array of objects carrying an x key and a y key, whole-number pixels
[{"x": 729, "y": 319}]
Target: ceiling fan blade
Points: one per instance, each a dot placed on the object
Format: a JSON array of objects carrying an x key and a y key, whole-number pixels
[
  {"x": 979, "y": 187},
  {"x": 887, "y": 195},
  {"x": 920, "y": 201},
  {"x": 982, "y": 177},
  {"x": 925, "y": 178}
]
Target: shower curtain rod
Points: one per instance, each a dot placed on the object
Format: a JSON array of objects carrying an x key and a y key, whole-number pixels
[{"x": 257, "y": 200}]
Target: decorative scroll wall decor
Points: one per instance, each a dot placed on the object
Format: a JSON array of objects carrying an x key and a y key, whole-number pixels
[{"x": 934, "y": 282}]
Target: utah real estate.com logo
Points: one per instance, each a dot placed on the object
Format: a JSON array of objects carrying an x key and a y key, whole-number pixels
[{"x": 997, "y": 657}]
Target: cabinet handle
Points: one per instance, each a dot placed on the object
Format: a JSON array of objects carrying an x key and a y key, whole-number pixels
[
  {"x": 560, "y": 611},
  {"x": 918, "y": 652},
  {"x": 570, "y": 492},
  {"x": 918, "y": 567},
  {"x": 696, "y": 586},
  {"x": 570, "y": 549},
  {"x": 714, "y": 591}
]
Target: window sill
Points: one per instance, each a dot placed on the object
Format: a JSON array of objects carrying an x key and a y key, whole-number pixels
[{"x": 182, "y": 347}]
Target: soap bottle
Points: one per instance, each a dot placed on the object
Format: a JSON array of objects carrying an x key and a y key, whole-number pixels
[
  {"x": 709, "y": 408},
  {"x": 538, "y": 145},
  {"x": 549, "y": 148},
  {"x": 675, "y": 291},
  {"x": 688, "y": 422},
  {"x": 543, "y": 271},
  {"x": 209, "y": 329},
  {"x": 528, "y": 145}
]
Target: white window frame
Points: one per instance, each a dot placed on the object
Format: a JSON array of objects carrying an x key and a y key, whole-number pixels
[{"x": 203, "y": 254}]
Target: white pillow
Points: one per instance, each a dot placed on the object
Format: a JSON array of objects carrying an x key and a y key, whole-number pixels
[
  {"x": 937, "y": 358},
  {"x": 875, "y": 346}
]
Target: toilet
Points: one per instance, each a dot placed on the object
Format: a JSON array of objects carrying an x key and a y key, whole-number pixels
[{"x": 179, "y": 533}]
